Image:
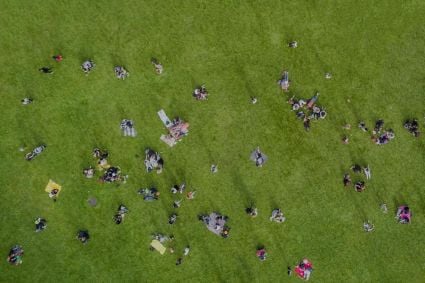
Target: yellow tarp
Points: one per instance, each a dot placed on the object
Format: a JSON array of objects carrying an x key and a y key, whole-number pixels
[
  {"x": 51, "y": 186},
  {"x": 158, "y": 246}
]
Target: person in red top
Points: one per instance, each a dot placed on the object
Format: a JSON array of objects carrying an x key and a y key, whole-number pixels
[
  {"x": 304, "y": 269},
  {"x": 58, "y": 58}
]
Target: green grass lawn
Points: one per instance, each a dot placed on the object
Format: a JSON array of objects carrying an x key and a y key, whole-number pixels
[{"x": 375, "y": 51}]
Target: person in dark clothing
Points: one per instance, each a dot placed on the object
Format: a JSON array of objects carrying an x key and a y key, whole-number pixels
[{"x": 46, "y": 70}]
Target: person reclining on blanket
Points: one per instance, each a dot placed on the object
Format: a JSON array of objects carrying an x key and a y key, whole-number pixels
[
  {"x": 153, "y": 161},
  {"x": 277, "y": 216},
  {"x": 162, "y": 238},
  {"x": 200, "y": 93},
  {"x": 15, "y": 255},
  {"x": 121, "y": 72},
  {"x": 127, "y": 126},
  {"x": 87, "y": 66},
  {"x": 149, "y": 194},
  {"x": 304, "y": 269},
  {"x": 179, "y": 129},
  {"x": 403, "y": 214}
]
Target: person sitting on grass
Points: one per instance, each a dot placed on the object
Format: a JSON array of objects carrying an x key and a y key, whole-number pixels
[
  {"x": 277, "y": 216},
  {"x": 88, "y": 172},
  {"x": 83, "y": 236},
  {"x": 403, "y": 215},
  {"x": 15, "y": 255},
  {"x": 149, "y": 194},
  {"x": 200, "y": 93},
  {"x": 53, "y": 194},
  {"x": 379, "y": 125},
  {"x": 347, "y": 180},
  {"x": 112, "y": 174},
  {"x": 162, "y": 238},
  {"x": 251, "y": 211},
  {"x": 26, "y": 100},
  {"x": 258, "y": 157},
  {"x": 304, "y": 269},
  {"x": 413, "y": 127},
  {"x": 158, "y": 66},
  {"x": 284, "y": 81},
  {"x": 40, "y": 224},
  {"x": 121, "y": 72},
  {"x": 87, "y": 66},
  {"x": 356, "y": 168},
  {"x": 172, "y": 219},
  {"x": 359, "y": 186},
  {"x": 261, "y": 253},
  {"x": 368, "y": 227}
]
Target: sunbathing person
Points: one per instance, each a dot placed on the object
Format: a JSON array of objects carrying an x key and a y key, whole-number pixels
[
  {"x": 284, "y": 81},
  {"x": 149, "y": 194},
  {"x": 15, "y": 255},
  {"x": 277, "y": 216},
  {"x": 121, "y": 72},
  {"x": 40, "y": 224},
  {"x": 87, "y": 66},
  {"x": 200, "y": 93},
  {"x": 403, "y": 214},
  {"x": 346, "y": 180},
  {"x": 83, "y": 236},
  {"x": 35, "y": 152},
  {"x": 359, "y": 186}
]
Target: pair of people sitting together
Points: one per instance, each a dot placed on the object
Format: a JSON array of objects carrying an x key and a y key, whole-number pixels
[
  {"x": 153, "y": 161},
  {"x": 277, "y": 216},
  {"x": 149, "y": 194},
  {"x": 121, "y": 73},
  {"x": 121, "y": 212}
]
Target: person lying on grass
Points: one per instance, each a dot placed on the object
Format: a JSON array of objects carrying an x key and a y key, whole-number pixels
[
  {"x": 403, "y": 214},
  {"x": 15, "y": 255},
  {"x": 153, "y": 161},
  {"x": 277, "y": 216},
  {"x": 200, "y": 93},
  {"x": 121, "y": 73},
  {"x": 149, "y": 194},
  {"x": 119, "y": 216}
]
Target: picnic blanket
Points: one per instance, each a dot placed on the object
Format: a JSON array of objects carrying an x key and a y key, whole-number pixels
[
  {"x": 216, "y": 226},
  {"x": 158, "y": 246},
  {"x": 168, "y": 140},
  {"x": 164, "y": 118},
  {"x": 51, "y": 186}
]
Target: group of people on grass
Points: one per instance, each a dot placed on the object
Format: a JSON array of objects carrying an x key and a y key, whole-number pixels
[{"x": 307, "y": 110}]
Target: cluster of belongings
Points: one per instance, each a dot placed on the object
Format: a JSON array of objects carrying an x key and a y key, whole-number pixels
[
  {"x": 83, "y": 236},
  {"x": 15, "y": 255},
  {"x": 127, "y": 127},
  {"x": 121, "y": 212},
  {"x": 381, "y": 136},
  {"x": 413, "y": 127},
  {"x": 304, "y": 269},
  {"x": 403, "y": 215},
  {"x": 53, "y": 189},
  {"x": 121, "y": 73},
  {"x": 216, "y": 223},
  {"x": 153, "y": 161},
  {"x": 200, "y": 93},
  {"x": 40, "y": 224},
  {"x": 87, "y": 66},
  {"x": 158, "y": 242},
  {"x": 158, "y": 66},
  {"x": 149, "y": 194},
  {"x": 307, "y": 110},
  {"x": 35, "y": 152},
  {"x": 258, "y": 157},
  {"x": 284, "y": 81},
  {"x": 177, "y": 129},
  {"x": 277, "y": 216}
]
